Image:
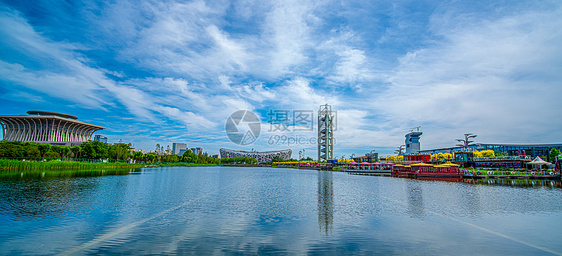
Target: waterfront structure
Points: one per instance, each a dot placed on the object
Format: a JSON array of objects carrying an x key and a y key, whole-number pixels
[
  {"x": 266, "y": 156},
  {"x": 47, "y": 127},
  {"x": 100, "y": 138},
  {"x": 417, "y": 158},
  {"x": 413, "y": 141},
  {"x": 532, "y": 150},
  {"x": 423, "y": 170},
  {"x": 369, "y": 158},
  {"x": 325, "y": 133},
  {"x": 179, "y": 148}
]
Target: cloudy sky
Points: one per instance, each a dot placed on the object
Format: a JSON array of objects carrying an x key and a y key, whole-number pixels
[{"x": 174, "y": 71}]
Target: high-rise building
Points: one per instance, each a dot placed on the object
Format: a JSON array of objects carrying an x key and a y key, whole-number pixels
[
  {"x": 179, "y": 148},
  {"x": 197, "y": 150},
  {"x": 100, "y": 138},
  {"x": 325, "y": 133}
]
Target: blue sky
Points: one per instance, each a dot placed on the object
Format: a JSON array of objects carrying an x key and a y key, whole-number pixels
[{"x": 173, "y": 71}]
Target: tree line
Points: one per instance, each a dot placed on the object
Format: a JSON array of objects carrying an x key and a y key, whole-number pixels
[
  {"x": 99, "y": 150},
  {"x": 88, "y": 150}
]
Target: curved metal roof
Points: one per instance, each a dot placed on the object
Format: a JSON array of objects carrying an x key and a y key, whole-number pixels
[{"x": 49, "y": 113}]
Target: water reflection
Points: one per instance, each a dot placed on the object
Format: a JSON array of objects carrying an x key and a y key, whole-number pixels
[
  {"x": 472, "y": 201},
  {"x": 528, "y": 183},
  {"x": 224, "y": 210},
  {"x": 415, "y": 199},
  {"x": 27, "y": 194},
  {"x": 63, "y": 173},
  {"x": 325, "y": 202}
]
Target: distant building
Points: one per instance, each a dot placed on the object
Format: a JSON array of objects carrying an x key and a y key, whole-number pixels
[
  {"x": 197, "y": 150},
  {"x": 283, "y": 155},
  {"x": 178, "y": 147},
  {"x": 369, "y": 158},
  {"x": 215, "y": 156},
  {"x": 142, "y": 151},
  {"x": 100, "y": 138},
  {"x": 413, "y": 142},
  {"x": 532, "y": 150},
  {"x": 47, "y": 127}
]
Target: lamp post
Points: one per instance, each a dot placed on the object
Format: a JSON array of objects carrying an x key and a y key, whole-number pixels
[
  {"x": 466, "y": 141},
  {"x": 400, "y": 150}
]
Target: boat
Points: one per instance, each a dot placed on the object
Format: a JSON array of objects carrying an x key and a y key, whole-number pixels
[
  {"x": 424, "y": 170},
  {"x": 366, "y": 168}
]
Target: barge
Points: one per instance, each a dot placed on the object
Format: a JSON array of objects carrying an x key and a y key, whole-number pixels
[{"x": 424, "y": 170}]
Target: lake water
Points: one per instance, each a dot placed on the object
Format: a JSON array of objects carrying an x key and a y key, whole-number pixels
[{"x": 229, "y": 210}]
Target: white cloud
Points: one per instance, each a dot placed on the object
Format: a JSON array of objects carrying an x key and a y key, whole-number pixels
[
  {"x": 193, "y": 64},
  {"x": 487, "y": 76},
  {"x": 188, "y": 118},
  {"x": 350, "y": 68},
  {"x": 55, "y": 85},
  {"x": 81, "y": 84},
  {"x": 288, "y": 32}
]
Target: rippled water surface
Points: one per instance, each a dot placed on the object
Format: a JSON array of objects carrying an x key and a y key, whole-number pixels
[{"x": 227, "y": 210}]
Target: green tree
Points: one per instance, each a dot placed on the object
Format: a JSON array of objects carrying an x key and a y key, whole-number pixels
[
  {"x": 52, "y": 154},
  {"x": 76, "y": 150},
  {"x": 32, "y": 150},
  {"x": 64, "y": 151},
  {"x": 43, "y": 149},
  {"x": 137, "y": 155},
  {"x": 95, "y": 149},
  {"x": 151, "y": 157},
  {"x": 112, "y": 152},
  {"x": 173, "y": 158},
  {"x": 554, "y": 152},
  {"x": 57, "y": 149}
]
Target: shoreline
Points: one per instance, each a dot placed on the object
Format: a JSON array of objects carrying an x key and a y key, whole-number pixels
[{"x": 9, "y": 164}]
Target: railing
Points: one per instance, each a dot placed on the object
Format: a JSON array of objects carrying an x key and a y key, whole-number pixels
[
  {"x": 507, "y": 172},
  {"x": 503, "y": 158}
]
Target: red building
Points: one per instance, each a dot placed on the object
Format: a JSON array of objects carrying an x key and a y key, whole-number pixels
[{"x": 422, "y": 158}]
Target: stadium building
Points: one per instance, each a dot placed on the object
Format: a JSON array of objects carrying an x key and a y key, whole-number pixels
[
  {"x": 262, "y": 157},
  {"x": 47, "y": 127}
]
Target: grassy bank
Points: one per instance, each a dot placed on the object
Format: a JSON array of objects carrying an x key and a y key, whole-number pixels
[
  {"x": 8, "y": 164},
  {"x": 63, "y": 173}
]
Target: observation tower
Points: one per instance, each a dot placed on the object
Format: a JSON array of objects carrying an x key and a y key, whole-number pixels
[
  {"x": 325, "y": 133},
  {"x": 413, "y": 141}
]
